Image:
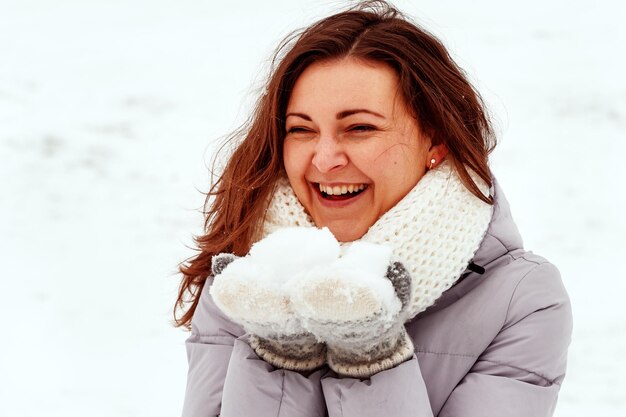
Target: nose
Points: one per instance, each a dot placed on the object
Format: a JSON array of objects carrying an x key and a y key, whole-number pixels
[{"x": 329, "y": 154}]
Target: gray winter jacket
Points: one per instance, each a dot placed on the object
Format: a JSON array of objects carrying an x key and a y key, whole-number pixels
[{"x": 495, "y": 344}]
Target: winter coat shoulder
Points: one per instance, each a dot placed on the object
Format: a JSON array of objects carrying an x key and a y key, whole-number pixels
[{"x": 495, "y": 344}]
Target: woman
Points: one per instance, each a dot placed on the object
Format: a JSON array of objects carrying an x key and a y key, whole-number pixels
[{"x": 360, "y": 259}]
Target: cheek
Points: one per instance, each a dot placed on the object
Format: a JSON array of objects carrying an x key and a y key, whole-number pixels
[
  {"x": 294, "y": 160},
  {"x": 399, "y": 168},
  {"x": 288, "y": 158}
]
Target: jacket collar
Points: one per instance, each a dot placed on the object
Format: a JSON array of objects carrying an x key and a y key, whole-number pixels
[{"x": 502, "y": 235}]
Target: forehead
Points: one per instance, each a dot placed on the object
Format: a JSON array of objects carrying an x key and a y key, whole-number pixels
[{"x": 345, "y": 83}]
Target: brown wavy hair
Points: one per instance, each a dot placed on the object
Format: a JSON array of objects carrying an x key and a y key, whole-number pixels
[{"x": 446, "y": 106}]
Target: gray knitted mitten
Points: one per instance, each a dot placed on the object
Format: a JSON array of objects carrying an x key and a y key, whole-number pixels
[
  {"x": 253, "y": 291},
  {"x": 359, "y": 310}
]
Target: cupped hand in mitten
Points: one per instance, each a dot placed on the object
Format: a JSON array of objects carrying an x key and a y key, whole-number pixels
[
  {"x": 253, "y": 291},
  {"x": 355, "y": 306}
]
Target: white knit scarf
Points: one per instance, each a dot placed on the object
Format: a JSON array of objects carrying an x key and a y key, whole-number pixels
[{"x": 434, "y": 230}]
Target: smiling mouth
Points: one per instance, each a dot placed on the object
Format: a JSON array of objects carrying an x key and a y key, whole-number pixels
[{"x": 340, "y": 192}]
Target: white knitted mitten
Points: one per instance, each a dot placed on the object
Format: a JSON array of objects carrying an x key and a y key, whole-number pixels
[
  {"x": 355, "y": 306},
  {"x": 253, "y": 291}
]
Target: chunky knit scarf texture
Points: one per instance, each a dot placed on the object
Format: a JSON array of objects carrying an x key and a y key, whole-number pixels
[{"x": 434, "y": 231}]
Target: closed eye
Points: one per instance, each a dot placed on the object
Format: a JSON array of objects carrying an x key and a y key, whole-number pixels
[
  {"x": 297, "y": 129},
  {"x": 362, "y": 128}
]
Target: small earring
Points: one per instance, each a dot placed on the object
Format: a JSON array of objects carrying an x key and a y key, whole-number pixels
[{"x": 432, "y": 161}]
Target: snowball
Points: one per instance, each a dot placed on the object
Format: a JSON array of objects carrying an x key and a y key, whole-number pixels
[
  {"x": 366, "y": 256},
  {"x": 291, "y": 250}
]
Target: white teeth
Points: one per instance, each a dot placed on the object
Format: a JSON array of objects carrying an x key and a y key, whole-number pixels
[{"x": 341, "y": 189}]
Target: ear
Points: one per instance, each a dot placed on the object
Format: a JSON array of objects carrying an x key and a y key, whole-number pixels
[{"x": 438, "y": 153}]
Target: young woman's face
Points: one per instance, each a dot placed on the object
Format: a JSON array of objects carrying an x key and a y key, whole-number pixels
[{"x": 352, "y": 150}]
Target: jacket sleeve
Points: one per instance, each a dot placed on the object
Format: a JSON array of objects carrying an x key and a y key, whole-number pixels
[
  {"x": 227, "y": 379},
  {"x": 209, "y": 349},
  {"x": 520, "y": 373},
  {"x": 398, "y": 392},
  {"x": 253, "y": 387}
]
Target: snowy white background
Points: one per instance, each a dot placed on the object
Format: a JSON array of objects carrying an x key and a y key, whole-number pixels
[{"x": 109, "y": 114}]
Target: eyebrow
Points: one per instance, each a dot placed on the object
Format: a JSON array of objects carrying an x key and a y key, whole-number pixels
[{"x": 340, "y": 115}]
